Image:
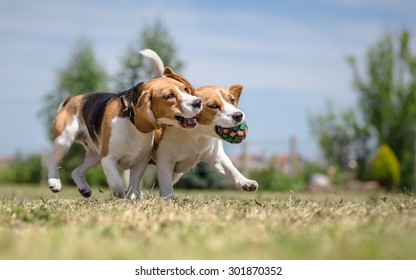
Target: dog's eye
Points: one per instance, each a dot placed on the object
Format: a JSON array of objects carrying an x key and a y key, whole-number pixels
[
  {"x": 213, "y": 106},
  {"x": 232, "y": 100},
  {"x": 169, "y": 96}
]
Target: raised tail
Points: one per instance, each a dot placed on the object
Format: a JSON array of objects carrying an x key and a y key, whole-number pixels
[{"x": 157, "y": 62}]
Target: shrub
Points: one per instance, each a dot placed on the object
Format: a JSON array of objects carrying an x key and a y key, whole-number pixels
[
  {"x": 386, "y": 168},
  {"x": 202, "y": 176},
  {"x": 22, "y": 170}
]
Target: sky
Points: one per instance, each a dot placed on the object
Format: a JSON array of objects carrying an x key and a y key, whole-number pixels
[{"x": 290, "y": 56}]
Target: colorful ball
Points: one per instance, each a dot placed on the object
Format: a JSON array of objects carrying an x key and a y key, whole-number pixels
[{"x": 234, "y": 135}]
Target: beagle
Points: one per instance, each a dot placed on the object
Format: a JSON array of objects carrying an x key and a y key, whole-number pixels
[
  {"x": 118, "y": 129},
  {"x": 177, "y": 150}
]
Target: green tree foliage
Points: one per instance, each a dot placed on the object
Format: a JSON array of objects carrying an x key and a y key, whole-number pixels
[
  {"x": 339, "y": 134},
  {"x": 83, "y": 73},
  {"x": 136, "y": 68},
  {"x": 386, "y": 168},
  {"x": 387, "y": 96}
]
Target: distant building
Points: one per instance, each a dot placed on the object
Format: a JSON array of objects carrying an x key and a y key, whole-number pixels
[
  {"x": 288, "y": 164},
  {"x": 250, "y": 162},
  {"x": 284, "y": 163}
]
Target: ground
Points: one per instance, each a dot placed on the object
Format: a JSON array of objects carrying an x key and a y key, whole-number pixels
[{"x": 37, "y": 224}]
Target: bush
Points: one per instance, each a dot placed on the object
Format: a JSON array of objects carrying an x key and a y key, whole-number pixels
[
  {"x": 271, "y": 179},
  {"x": 386, "y": 168},
  {"x": 22, "y": 170}
]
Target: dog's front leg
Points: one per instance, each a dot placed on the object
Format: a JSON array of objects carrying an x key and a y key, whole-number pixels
[
  {"x": 223, "y": 165},
  {"x": 164, "y": 176},
  {"x": 113, "y": 178},
  {"x": 134, "y": 190}
]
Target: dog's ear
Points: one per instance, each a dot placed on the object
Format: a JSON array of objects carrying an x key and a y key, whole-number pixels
[
  {"x": 235, "y": 91},
  {"x": 168, "y": 72},
  {"x": 145, "y": 119}
]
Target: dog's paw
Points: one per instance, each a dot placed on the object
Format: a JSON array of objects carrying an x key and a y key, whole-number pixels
[
  {"x": 133, "y": 195},
  {"x": 85, "y": 192},
  {"x": 55, "y": 184},
  {"x": 248, "y": 185}
]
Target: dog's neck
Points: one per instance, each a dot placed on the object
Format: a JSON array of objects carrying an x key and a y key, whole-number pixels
[{"x": 129, "y": 99}]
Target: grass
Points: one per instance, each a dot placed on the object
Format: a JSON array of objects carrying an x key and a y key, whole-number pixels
[{"x": 37, "y": 224}]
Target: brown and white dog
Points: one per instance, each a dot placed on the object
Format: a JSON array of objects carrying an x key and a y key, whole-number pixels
[
  {"x": 118, "y": 129},
  {"x": 178, "y": 150}
]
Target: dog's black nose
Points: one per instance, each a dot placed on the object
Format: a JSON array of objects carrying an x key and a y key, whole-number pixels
[
  {"x": 238, "y": 116},
  {"x": 196, "y": 104}
]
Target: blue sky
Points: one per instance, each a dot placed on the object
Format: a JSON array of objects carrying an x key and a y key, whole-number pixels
[{"x": 289, "y": 55}]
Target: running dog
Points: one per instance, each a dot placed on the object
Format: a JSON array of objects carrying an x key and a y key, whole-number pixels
[
  {"x": 177, "y": 150},
  {"x": 118, "y": 129}
]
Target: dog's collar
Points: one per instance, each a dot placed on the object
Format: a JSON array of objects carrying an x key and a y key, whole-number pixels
[
  {"x": 128, "y": 98},
  {"x": 127, "y": 112}
]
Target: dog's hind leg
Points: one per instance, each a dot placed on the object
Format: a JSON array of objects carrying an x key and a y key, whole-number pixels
[
  {"x": 78, "y": 175},
  {"x": 61, "y": 145}
]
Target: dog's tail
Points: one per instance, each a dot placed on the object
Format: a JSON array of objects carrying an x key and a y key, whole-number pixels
[{"x": 157, "y": 62}]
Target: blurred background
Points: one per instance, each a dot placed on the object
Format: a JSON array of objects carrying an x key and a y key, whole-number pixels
[{"x": 329, "y": 86}]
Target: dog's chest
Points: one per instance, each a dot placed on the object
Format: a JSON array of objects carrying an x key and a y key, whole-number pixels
[
  {"x": 184, "y": 148},
  {"x": 128, "y": 144},
  {"x": 187, "y": 163}
]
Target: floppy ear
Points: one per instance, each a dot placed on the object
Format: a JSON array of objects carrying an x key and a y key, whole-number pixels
[
  {"x": 235, "y": 91},
  {"x": 168, "y": 72},
  {"x": 145, "y": 119}
]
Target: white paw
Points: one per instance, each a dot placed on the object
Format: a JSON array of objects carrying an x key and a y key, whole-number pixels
[
  {"x": 55, "y": 184},
  {"x": 247, "y": 185},
  {"x": 134, "y": 195}
]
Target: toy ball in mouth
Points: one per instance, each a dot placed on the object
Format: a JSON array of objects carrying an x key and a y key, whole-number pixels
[{"x": 234, "y": 134}]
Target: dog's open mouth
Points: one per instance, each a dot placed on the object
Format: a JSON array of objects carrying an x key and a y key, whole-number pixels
[{"x": 187, "y": 122}]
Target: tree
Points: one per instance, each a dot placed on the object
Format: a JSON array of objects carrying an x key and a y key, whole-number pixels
[
  {"x": 387, "y": 97},
  {"x": 340, "y": 136},
  {"x": 135, "y": 68},
  {"x": 82, "y": 74}
]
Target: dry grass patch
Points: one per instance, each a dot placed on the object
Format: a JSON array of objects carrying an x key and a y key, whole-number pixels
[{"x": 206, "y": 225}]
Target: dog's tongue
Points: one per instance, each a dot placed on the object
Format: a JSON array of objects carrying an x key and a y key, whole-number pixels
[{"x": 188, "y": 122}]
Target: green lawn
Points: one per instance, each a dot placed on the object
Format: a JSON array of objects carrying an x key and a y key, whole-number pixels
[{"x": 37, "y": 224}]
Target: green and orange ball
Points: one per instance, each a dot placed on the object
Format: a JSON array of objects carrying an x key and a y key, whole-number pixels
[{"x": 234, "y": 135}]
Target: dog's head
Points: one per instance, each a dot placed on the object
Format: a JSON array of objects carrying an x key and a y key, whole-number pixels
[
  {"x": 167, "y": 100},
  {"x": 220, "y": 106}
]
